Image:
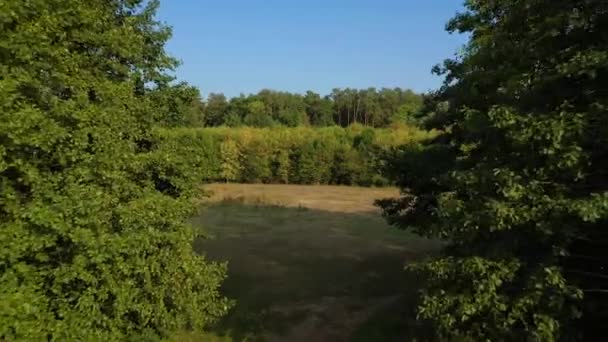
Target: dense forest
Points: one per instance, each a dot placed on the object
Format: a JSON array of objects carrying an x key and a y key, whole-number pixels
[
  {"x": 183, "y": 106},
  {"x": 356, "y": 155},
  {"x": 102, "y": 153}
]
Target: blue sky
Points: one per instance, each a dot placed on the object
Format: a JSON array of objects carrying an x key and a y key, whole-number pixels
[{"x": 242, "y": 46}]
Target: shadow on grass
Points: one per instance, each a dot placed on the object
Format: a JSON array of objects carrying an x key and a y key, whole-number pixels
[{"x": 310, "y": 275}]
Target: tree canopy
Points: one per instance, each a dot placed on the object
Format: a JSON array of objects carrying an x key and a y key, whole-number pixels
[
  {"x": 370, "y": 107},
  {"x": 517, "y": 184},
  {"x": 92, "y": 218}
]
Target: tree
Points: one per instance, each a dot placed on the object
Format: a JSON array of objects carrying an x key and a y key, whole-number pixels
[
  {"x": 231, "y": 156},
  {"x": 95, "y": 244},
  {"x": 280, "y": 166},
  {"x": 258, "y": 115},
  {"x": 319, "y": 110},
  {"x": 519, "y": 191},
  {"x": 255, "y": 161},
  {"x": 216, "y": 109},
  {"x": 178, "y": 105}
]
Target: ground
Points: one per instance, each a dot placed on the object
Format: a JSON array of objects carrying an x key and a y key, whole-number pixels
[{"x": 310, "y": 263}]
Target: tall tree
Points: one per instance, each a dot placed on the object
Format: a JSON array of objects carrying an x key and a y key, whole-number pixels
[
  {"x": 216, "y": 109},
  {"x": 230, "y": 155},
  {"x": 518, "y": 186},
  {"x": 318, "y": 109},
  {"x": 92, "y": 222},
  {"x": 178, "y": 105}
]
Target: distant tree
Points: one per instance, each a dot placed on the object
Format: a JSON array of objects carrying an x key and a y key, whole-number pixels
[
  {"x": 231, "y": 156},
  {"x": 284, "y": 108},
  {"x": 256, "y": 162},
  {"x": 407, "y": 113},
  {"x": 233, "y": 119},
  {"x": 517, "y": 184},
  {"x": 318, "y": 109},
  {"x": 257, "y": 115},
  {"x": 178, "y": 105},
  {"x": 95, "y": 244},
  {"x": 370, "y": 107},
  {"x": 281, "y": 165},
  {"x": 216, "y": 110},
  {"x": 347, "y": 166}
]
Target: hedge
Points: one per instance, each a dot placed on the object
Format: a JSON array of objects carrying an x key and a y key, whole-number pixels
[{"x": 354, "y": 155}]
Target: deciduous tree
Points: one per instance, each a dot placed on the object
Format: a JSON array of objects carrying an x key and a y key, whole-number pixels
[
  {"x": 92, "y": 219},
  {"x": 518, "y": 186}
]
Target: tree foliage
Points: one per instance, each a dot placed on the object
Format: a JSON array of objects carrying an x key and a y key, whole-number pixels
[
  {"x": 182, "y": 106},
  {"x": 300, "y": 155},
  {"x": 178, "y": 105},
  {"x": 92, "y": 218},
  {"x": 517, "y": 184},
  {"x": 230, "y": 168}
]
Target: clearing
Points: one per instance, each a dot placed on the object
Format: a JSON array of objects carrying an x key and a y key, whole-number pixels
[{"x": 310, "y": 263}]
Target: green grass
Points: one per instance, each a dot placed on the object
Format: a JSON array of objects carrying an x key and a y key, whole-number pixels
[{"x": 299, "y": 274}]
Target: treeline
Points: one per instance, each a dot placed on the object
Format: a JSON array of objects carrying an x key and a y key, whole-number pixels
[
  {"x": 181, "y": 105},
  {"x": 355, "y": 155}
]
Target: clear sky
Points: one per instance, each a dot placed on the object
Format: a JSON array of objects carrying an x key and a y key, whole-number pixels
[{"x": 242, "y": 46}]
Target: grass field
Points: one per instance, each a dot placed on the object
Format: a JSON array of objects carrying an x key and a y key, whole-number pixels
[{"x": 310, "y": 263}]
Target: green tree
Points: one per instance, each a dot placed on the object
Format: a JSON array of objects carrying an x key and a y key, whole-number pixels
[
  {"x": 255, "y": 162},
  {"x": 519, "y": 191},
  {"x": 233, "y": 119},
  {"x": 231, "y": 156},
  {"x": 216, "y": 110},
  {"x": 257, "y": 115},
  {"x": 347, "y": 166},
  {"x": 92, "y": 220},
  {"x": 280, "y": 166},
  {"x": 178, "y": 105},
  {"x": 318, "y": 109}
]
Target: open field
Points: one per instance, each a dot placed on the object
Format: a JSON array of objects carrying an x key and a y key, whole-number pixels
[
  {"x": 310, "y": 263},
  {"x": 331, "y": 198}
]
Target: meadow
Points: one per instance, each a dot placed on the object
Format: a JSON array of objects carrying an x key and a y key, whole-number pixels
[
  {"x": 309, "y": 263},
  {"x": 103, "y": 151}
]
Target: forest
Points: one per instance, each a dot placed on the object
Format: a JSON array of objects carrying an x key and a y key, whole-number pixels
[
  {"x": 355, "y": 155},
  {"x": 184, "y": 106},
  {"x": 495, "y": 187}
]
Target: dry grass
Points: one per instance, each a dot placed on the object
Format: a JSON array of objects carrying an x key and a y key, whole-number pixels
[
  {"x": 339, "y": 199},
  {"x": 309, "y": 263}
]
